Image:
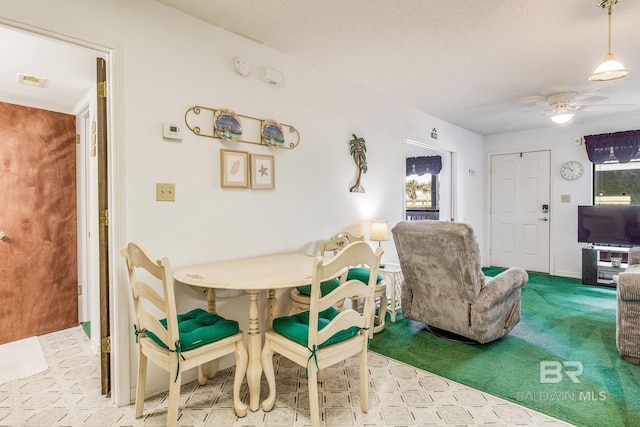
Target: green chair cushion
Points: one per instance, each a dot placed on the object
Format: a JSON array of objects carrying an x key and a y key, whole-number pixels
[
  {"x": 199, "y": 327},
  {"x": 325, "y": 287},
  {"x": 296, "y": 327},
  {"x": 361, "y": 274}
]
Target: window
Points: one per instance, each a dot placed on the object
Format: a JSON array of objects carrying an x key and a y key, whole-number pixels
[
  {"x": 616, "y": 183},
  {"x": 616, "y": 170},
  {"x": 422, "y": 187}
]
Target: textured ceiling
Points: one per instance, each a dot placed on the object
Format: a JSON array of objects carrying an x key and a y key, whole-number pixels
[{"x": 486, "y": 66}]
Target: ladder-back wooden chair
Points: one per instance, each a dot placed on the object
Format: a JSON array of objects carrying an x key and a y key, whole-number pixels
[
  {"x": 323, "y": 336},
  {"x": 333, "y": 245},
  {"x": 176, "y": 342}
]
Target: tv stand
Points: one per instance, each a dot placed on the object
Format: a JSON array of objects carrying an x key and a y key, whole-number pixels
[{"x": 596, "y": 264}]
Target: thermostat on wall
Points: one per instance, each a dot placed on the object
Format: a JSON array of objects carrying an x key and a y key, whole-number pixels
[{"x": 171, "y": 131}]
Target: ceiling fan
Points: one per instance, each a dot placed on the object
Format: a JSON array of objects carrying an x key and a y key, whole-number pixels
[{"x": 563, "y": 106}]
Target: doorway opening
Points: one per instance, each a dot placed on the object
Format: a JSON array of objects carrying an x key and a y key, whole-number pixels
[
  {"x": 71, "y": 90},
  {"x": 428, "y": 182}
]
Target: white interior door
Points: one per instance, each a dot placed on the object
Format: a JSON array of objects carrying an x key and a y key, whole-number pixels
[{"x": 519, "y": 223}]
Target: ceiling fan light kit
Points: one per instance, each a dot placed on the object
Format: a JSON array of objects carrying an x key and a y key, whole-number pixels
[
  {"x": 562, "y": 118},
  {"x": 610, "y": 69},
  {"x": 562, "y": 107}
]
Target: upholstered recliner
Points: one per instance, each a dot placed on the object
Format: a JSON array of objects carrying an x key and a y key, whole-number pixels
[
  {"x": 628, "y": 311},
  {"x": 444, "y": 286}
]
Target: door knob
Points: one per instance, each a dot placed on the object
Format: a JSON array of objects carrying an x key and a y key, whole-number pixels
[
  {"x": 2, "y": 235},
  {"x": 543, "y": 219}
]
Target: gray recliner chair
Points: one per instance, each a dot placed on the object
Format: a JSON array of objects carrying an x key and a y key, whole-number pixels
[
  {"x": 628, "y": 310},
  {"x": 444, "y": 286}
]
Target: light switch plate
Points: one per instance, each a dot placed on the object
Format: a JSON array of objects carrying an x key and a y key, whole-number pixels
[{"x": 165, "y": 192}]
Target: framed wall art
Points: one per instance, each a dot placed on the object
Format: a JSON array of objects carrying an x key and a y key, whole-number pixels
[
  {"x": 262, "y": 172},
  {"x": 234, "y": 169}
]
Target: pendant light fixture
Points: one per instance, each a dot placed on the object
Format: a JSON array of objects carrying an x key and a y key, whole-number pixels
[{"x": 610, "y": 69}]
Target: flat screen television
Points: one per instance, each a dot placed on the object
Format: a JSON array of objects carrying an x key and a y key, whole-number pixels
[{"x": 609, "y": 225}]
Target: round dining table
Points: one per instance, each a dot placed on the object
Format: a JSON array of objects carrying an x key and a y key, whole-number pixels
[{"x": 251, "y": 275}]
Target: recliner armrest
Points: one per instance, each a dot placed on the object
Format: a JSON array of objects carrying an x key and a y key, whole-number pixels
[
  {"x": 634, "y": 256},
  {"x": 629, "y": 286},
  {"x": 499, "y": 287}
]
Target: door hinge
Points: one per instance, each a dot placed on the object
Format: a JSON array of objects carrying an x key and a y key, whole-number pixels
[
  {"x": 79, "y": 290},
  {"x": 102, "y": 89},
  {"x": 105, "y": 345},
  {"x": 104, "y": 218},
  {"x": 77, "y": 138}
]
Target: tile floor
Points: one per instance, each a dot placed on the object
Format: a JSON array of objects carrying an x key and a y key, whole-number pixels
[{"x": 68, "y": 394}]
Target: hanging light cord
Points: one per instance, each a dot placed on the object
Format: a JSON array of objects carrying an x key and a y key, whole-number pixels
[
  {"x": 608, "y": 4},
  {"x": 609, "y": 38}
]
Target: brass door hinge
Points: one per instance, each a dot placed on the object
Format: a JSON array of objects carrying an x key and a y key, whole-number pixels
[
  {"x": 102, "y": 89},
  {"x": 79, "y": 290},
  {"x": 104, "y": 218},
  {"x": 105, "y": 345},
  {"x": 77, "y": 138}
]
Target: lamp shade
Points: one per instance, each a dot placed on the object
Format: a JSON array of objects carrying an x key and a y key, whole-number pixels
[
  {"x": 379, "y": 231},
  {"x": 610, "y": 69}
]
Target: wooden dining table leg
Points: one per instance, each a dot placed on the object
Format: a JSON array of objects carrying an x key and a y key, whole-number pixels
[
  {"x": 254, "y": 348},
  {"x": 213, "y": 365},
  {"x": 272, "y": 308}
]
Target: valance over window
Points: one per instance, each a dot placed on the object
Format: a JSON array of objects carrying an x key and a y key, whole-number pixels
[
  {"x": 623, "y": 144},
  {"x": 423, "y": 165}
]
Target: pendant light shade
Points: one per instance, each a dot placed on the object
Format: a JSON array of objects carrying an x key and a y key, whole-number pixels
[{"x": 610, "y": 69}]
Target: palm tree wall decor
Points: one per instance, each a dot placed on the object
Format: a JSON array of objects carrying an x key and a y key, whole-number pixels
[{"x": 358, "y": 149}]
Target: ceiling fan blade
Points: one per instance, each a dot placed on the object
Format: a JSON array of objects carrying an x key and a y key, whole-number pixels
[
  {"x": 521, "y": 122},
  {"x": 606, "y": 107},
  {"x": 592, "y": 99}
]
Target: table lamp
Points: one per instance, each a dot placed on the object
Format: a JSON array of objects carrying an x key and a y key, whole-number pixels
[{"x": 379, "y": 233}]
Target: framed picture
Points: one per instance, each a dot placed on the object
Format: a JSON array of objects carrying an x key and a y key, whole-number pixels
[
  {"x": 262, "y": 172},
  {"x": 234, "y": 169}
]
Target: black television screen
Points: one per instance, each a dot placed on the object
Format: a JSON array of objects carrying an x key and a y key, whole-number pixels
[{"x": 609, "y": 225}]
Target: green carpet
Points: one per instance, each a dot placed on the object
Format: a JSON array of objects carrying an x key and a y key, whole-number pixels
[
  {"x": 86, "y": 327},
  {"x": 562, "y": 321}
]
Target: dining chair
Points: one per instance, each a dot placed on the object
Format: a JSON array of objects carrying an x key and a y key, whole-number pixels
[
  {"x": 300, "y": 296},
  {"x": 176, "y": 342},
  {"x": 323, "y": 336}
]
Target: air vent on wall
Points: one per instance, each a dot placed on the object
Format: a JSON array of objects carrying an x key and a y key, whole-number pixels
[{"x": 33, "y": 81}]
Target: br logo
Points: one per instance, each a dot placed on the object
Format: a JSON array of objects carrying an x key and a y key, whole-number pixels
[{"x": 552, "y": 372}]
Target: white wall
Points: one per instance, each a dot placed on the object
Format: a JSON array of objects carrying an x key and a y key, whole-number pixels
[
  {"x": 168, "y": 62},
  {"x": 566, "y": 255}
]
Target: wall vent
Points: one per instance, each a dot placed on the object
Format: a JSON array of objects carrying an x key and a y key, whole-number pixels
[{"x": 25, "y": 79}]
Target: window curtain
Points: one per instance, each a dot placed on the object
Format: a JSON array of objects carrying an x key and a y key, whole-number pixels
[
  {"x": 423, "y": 165},
  {"x": 624, "y": 146}
]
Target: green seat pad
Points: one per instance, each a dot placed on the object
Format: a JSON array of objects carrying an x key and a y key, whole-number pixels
[
  {"x": 325, "y": 287},
  {"x": 199, "y": 327},
  {"x": 296, "y": 327},
  {"x": 361, "y": 274}
]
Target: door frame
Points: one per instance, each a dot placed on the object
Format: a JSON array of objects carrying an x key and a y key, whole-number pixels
[
  {"x": 118, "y": 298},
  {"x": 420, "y": 142},
  {"x": 488, "y": 194}
]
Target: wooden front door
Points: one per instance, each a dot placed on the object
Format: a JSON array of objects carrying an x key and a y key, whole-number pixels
[{"x": 38, "y": 255}]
